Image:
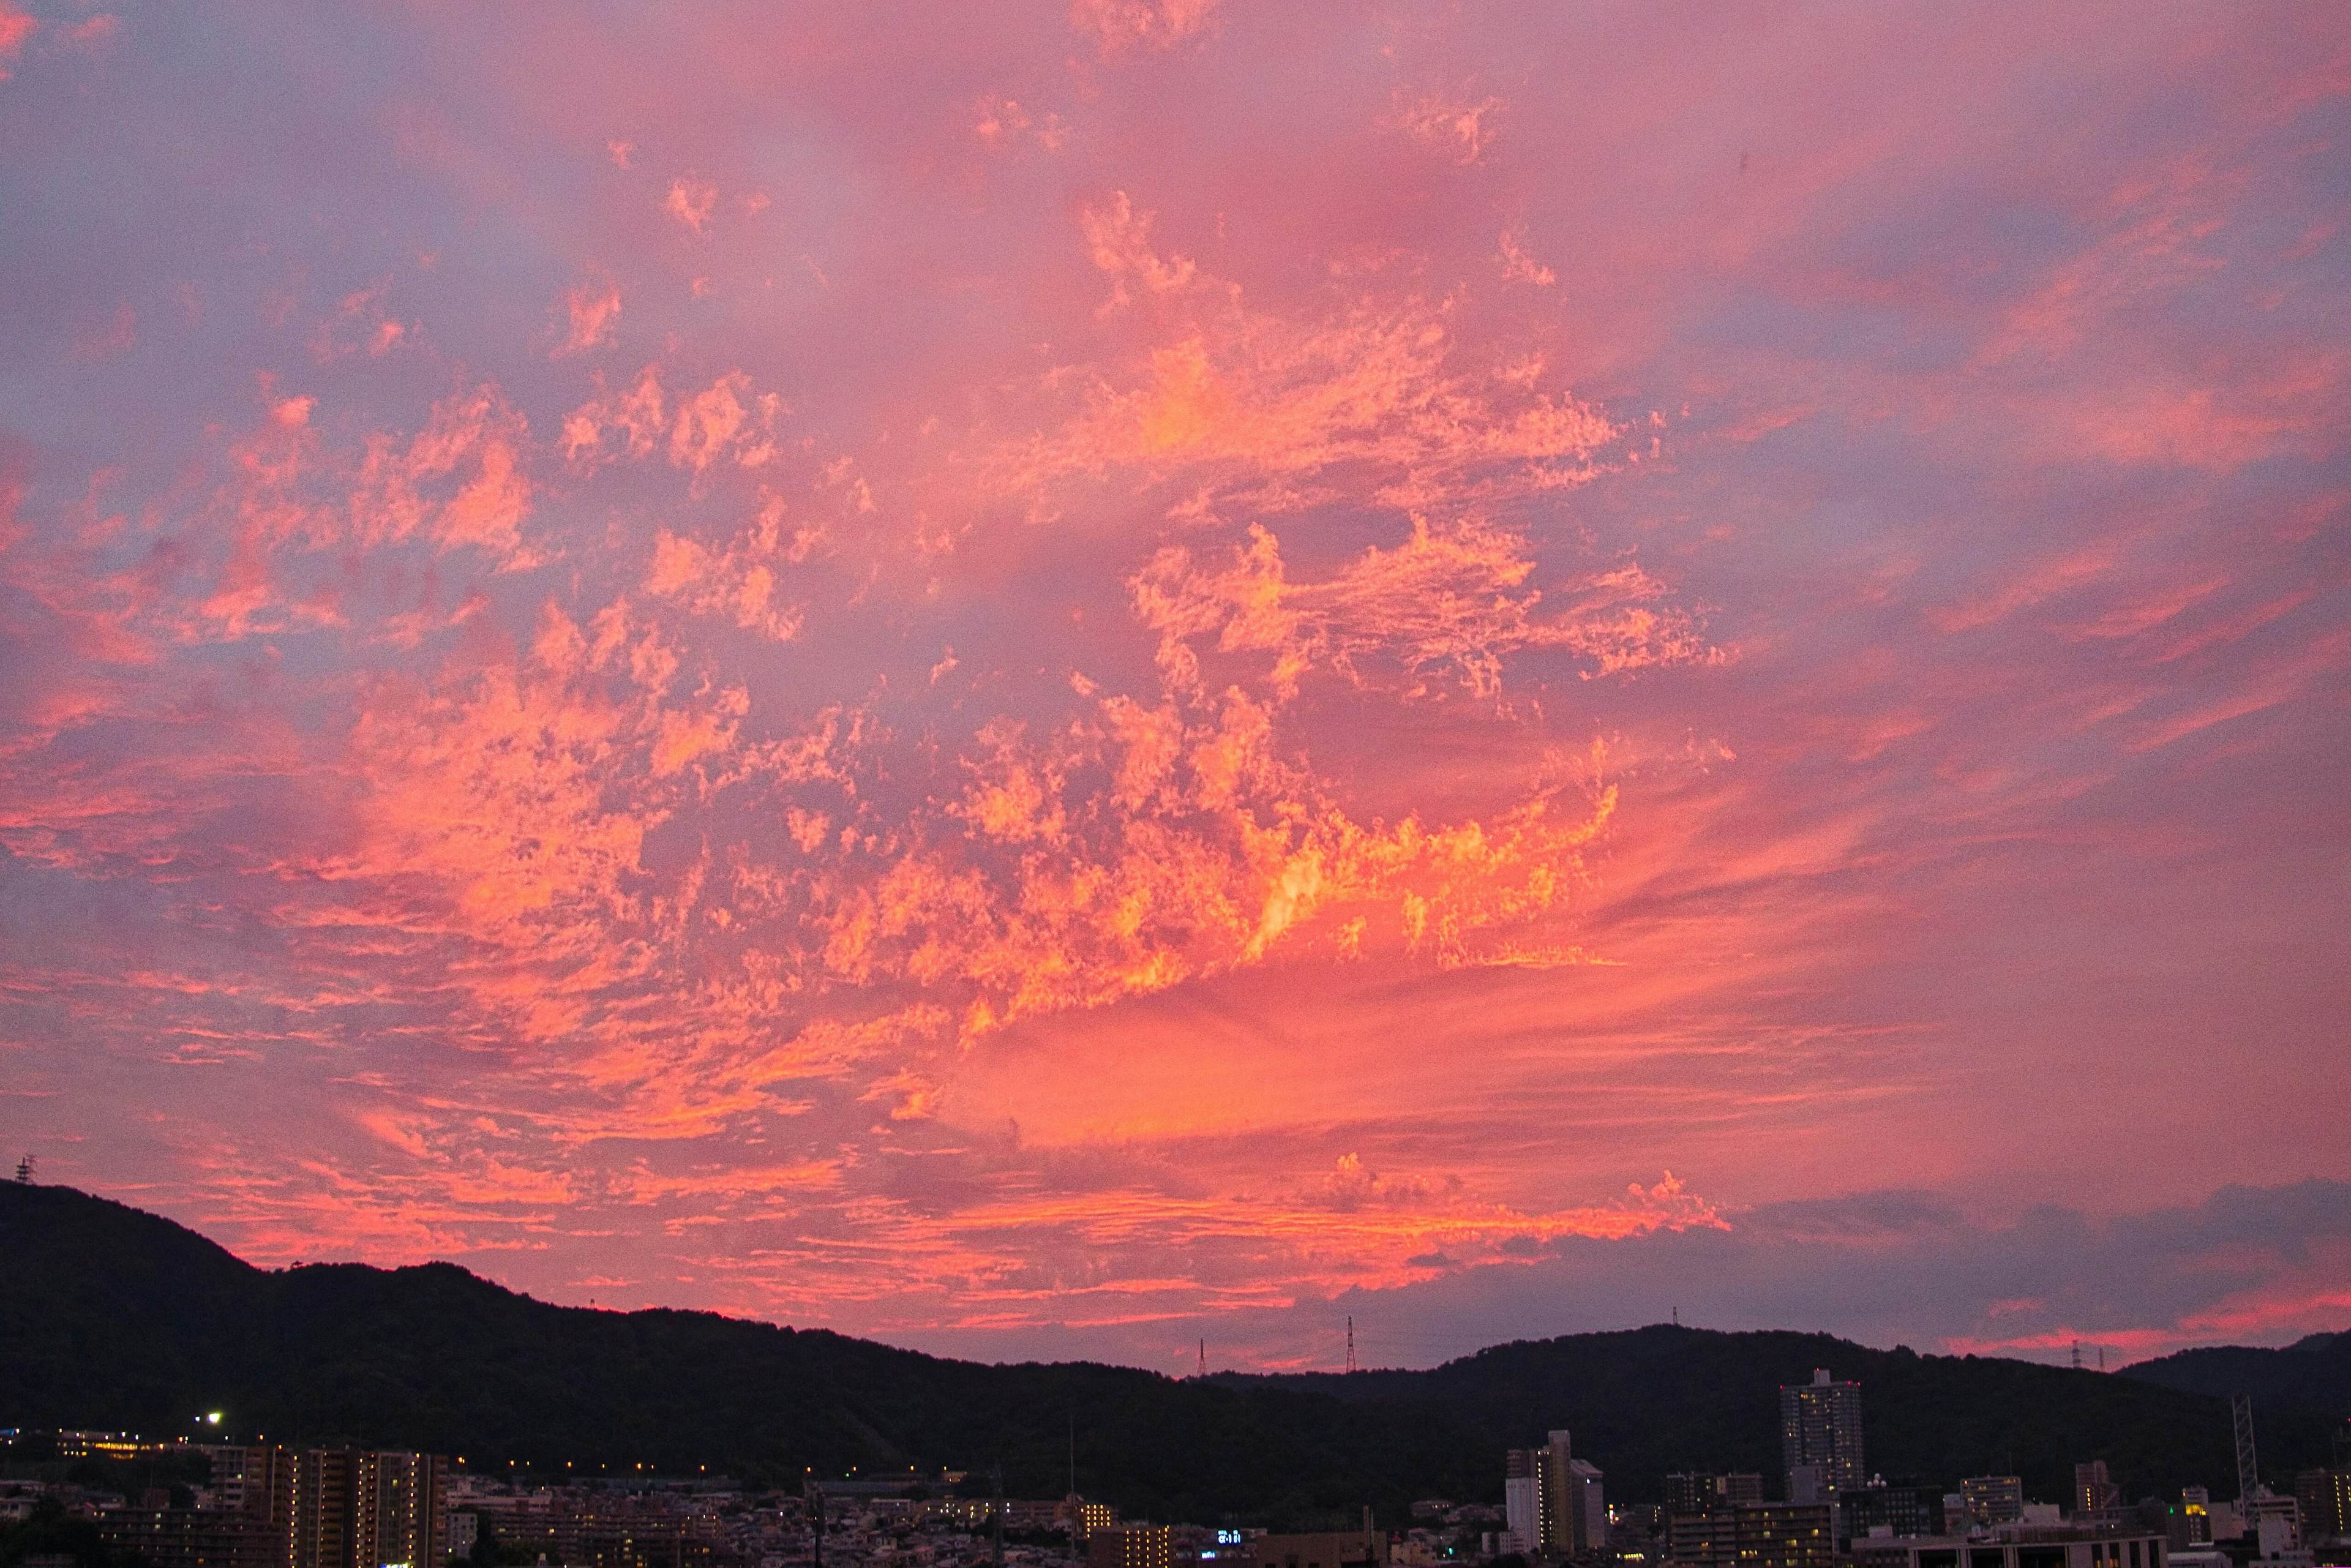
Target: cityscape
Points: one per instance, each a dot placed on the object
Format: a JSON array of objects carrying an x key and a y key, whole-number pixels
[
  {"x": 226, "y": 1505},
  {"x": 1174, "y": 784}
]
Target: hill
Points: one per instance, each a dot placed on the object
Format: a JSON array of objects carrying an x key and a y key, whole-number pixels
[
  {"x": 112, "y": 1317},
  {"x": 2313, "y": 1374}
]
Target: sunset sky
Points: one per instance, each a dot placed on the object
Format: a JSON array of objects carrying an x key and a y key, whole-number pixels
[{"x": 1045, "y": 681}]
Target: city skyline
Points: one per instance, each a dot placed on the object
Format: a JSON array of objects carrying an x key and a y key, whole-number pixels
[{"x": 1066, "y": 679}]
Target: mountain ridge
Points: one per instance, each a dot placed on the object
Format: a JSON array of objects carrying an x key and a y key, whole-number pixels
[
  {"x": 123, "y": 1318},
  {"x": 2312, "y": 1374}
]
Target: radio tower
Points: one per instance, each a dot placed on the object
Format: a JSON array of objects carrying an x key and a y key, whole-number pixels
[
  {"x": 2249, "y": 1470},
  {"x": 1350, "y": 1342},
  {"x": 1203, "y": 1358}
]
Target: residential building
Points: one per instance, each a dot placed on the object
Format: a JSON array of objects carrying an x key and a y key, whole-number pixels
[
  {"x": 356, "y": 1508},
  {"x": 1820, "y": 1437},
  {"x": 2095, "y": 1496},
  {"x": 582, "y": 1528},
  {"x": 1131, "y": 1546},
  {"x": 2017, "y": 1546},
  {"x": 1085, "y": 1518},
  {"x": 1523, "y": 1499},
  {"x": 1554, "y": 1503},
  {"x": 2276, "y": 1529},
  {"x": 1583, "y": 1511},
  {"x": 1993, "y": 1500},
  {"x": 1754, "y": 1535},
  {"x": 1700, "y": 1492},
  {"x": 2324, "y": 1497},
  {"x": 1365, "y": 1548},
  {"x": 2192, "y": 1521},
  {"x": 192, "y": 1538},
  {"x": 1882, "y": 1510}
]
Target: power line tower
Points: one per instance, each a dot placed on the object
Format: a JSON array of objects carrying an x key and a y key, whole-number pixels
[
  {"x": 24, "y": 1171},
  {"x": 2249, "y": 1470}
]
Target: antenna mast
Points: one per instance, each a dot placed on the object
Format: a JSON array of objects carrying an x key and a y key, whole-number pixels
[
  {"x": 1204, "y": 1357},
  {"x": 2249, "y": 1470},
  {"x": 1350, "y": 1342}
]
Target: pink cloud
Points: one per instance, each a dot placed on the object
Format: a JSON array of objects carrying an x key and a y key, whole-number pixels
[{"x": 1209, "y": 651}]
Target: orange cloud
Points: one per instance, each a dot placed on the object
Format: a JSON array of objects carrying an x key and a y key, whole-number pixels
[
  {"x": 1454, "y": 600},
  {"x": 1458, "y": 126},
  {"x": 593, "y": 308},
  {"x": 1119, "y": 240},
  {"x": 691, "y": 201},
  {"x": 1121, "y": 24}
]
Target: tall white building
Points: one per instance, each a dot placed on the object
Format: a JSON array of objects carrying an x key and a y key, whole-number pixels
[{"x": 1553, "y": 1501}]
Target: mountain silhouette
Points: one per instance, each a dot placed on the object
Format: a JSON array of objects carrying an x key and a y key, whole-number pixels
[{"x": 114, "y": 1318}]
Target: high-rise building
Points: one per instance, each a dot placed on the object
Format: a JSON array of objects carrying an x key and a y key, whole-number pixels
[
  {"x": 1583, "y": 1511},
  {"x": 1820, "y": 1437},
  {"x": 356, "y": 1509},
  {"x": 1521, "y": 1501},
  {"x": 2095, "y": 1496},
  {"x": 1552, "y": 1502},
  {"x": 2324, "y": 1497},
  {"x": 1554, "y": 1505},
  {"x": 256, "y": 1481},
  {"x": 1994, "y": 1500}
]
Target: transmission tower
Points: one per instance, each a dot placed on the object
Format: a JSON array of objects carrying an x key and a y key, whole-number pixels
[
  {"x": 2249, "y": 1470},
  {"x": 24, "y": 1171},
  {"x": 1350, "y": 1342}
]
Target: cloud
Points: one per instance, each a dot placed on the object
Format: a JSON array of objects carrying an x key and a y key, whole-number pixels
[
  {"x": 593, "y": 308},
  {"x": 1456, "y": 602},
  {"x": 691, "y": 201},
  {"x": 1121, "y": 24},
  {"x": 1518, "y": 266},
  {"x": 1221, "y": 661},
  {"x": 1882, "y": 1267},
  {"x": 1456, "y": 125}
]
